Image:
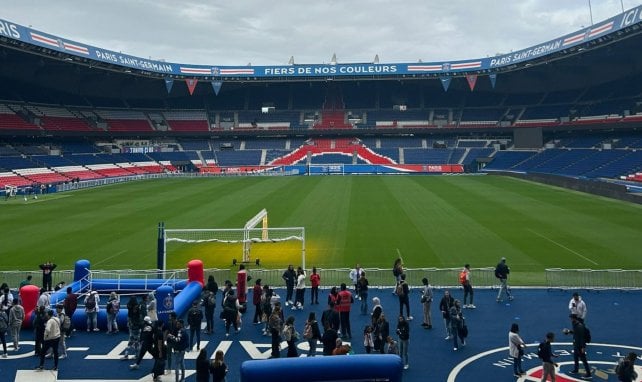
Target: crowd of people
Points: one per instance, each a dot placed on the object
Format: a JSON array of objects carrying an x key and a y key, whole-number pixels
[{"x": 168, "y": 342}]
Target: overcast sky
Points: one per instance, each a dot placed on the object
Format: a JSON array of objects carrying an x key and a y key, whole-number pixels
[{"x": 269, "y": 32}]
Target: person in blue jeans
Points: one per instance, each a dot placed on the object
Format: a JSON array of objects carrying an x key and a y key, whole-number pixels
[{"x": 181, "y": 344}]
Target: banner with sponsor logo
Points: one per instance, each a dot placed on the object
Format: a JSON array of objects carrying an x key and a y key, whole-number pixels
[{"x": 45, "y": 40}]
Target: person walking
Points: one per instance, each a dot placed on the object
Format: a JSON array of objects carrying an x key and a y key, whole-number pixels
[
  {"x": 289, "y": 276},
  {"x": 426, "y": 301},
  {"x": 209, "y": 305},
  {"x": 51, "y": 339},
  {"x": 231, "y": 312},
  {"x": 625, "y": 370},
  {"x": 516, "y": 349},
  {"x": 181, "y": 344},
  {"x": 363, "y": 284},
  {"x": 577, "y": 306},
  {"x": 329, "y": 339},
  {"x": 457, "y": 325},
  {"x": 113, "y": 307},
  {"x": 62, "y": 345},
  {"x": 545, "y": 353},
  {"x": 344, "y": 304},
  {"x": 194, "y": 320},
  {"x": 315, "y": 282},
  {"x": 6, "y": 298},
  {"x": 403, "y": 331},
  {"x": 39, "y": 324},
  {"x": 275, "y": 324},
  {"x": 312, "y": 334},
  {"x": 464, "y": 279},
  {"x": 403, "y": 293},
  {"x": 16, "y": 317},
  {"x": 146, "y": 342},
  {"x": 355, "y": 275},
  {"x": 134, "y": 325},
  {"x": 4, "y": 329},
  {"x": 203, "y": 366},
  {"x": 91, "y": 310},
  {"x": 218, "y": 368},
  {"x": 501, "y": 272},
  {"x": 257, "y": 294},
  {"x": 381, "y": 332},
  {"x": 290, "y": 336},
  {"x": 300, "y": 289},
  {"x": 70, "y": 305},
  {"x": 579, "y": 333},
  {"x": 368, "y": 339}
]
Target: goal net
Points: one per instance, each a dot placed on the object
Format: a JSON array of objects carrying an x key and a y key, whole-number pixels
[
  {"x": 222, "y": 246},
  {"x": 10, "y": 191}
]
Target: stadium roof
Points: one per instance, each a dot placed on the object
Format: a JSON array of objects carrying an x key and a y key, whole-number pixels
[{"x": 235, "y": 33}]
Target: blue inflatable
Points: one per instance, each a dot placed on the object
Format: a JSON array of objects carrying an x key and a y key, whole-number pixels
[
  {"x": 364, "y": 367},
  {"x": 171, "y": 295}
]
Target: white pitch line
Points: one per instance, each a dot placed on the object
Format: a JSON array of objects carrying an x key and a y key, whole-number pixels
[
  {"x": 562, "y": 246},
  {"x": 399, "y": 253},
  {"x": 111, "y": 257}
]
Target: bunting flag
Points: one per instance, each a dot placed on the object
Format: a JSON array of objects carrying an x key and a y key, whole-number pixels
[
  {"x": 472, "y": 80},
  {"x": 191, "y": 85},
  {"x": 493, "y": 79},
  {"x": 216, "y": 85},
  {"x": 168, "y": 84},
  {"x": 445, "y": 82}
]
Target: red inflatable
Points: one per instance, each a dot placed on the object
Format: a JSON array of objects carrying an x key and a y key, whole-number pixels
[
  {"x": 29, "y": 296},
  {"x": 241, "y": 284}
]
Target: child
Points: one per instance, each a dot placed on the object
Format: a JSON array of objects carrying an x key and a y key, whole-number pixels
[
  {"x": 368, "y": 339},
  {"x": 392, "y": 346}
]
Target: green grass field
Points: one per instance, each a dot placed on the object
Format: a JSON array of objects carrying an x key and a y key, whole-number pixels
[{"x": 432, "y": 221}]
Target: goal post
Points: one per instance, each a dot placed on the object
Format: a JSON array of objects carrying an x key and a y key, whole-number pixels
[{"x": 236, "y": 239}]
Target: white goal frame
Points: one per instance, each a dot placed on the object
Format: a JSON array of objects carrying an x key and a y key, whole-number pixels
[
  {"x": 10, "y": 191},
  {"x": 247, "y": 235}
]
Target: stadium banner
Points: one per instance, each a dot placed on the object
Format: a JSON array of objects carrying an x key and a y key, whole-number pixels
[
  {"x": 336, "y": 169},
  {"x": 86, "y": 52}
]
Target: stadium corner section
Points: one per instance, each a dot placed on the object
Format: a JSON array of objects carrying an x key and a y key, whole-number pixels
[{"x": 172, "y": 295}]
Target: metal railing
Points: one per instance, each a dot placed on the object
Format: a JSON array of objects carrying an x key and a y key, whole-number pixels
[
  {"x": 593, "y": 279},
  {"x": 556, "y": 278}
]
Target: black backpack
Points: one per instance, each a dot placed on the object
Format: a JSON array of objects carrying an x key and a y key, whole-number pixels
[
  {"x": 540, "y": 350},
  {"x": 587, "y": 335}
]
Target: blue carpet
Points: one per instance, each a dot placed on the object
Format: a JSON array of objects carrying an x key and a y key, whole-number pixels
[{"x": 613, "y": 317}]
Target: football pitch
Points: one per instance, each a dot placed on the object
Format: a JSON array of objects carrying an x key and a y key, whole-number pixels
[{"x": 430, "y": 221}]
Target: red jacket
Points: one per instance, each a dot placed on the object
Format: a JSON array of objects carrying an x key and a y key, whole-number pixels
[
  {"x": 315, "y": 280},
  {"x": 344, "y": 301},
  {"x": 256, "y": 294}
]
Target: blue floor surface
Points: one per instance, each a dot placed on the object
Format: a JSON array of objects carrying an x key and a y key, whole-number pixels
[{"x": 613, "y": 317}]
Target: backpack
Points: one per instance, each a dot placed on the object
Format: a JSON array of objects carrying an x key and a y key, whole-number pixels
[
  {"x": 66, "y": 322},
  {"x": 587, "y": 335},
  {"x": 91, "y": 302},
  {"x": 287, "y": 332},
  {"x": 211, "y": 299},
  {"x": 4, "y": 321},
  {"x": 619, "y": 368},
  {"x": 307, "y": 331},
  {"x": 540, "y": 350},
  {"x": 462, "y": 277},
  {"x": 399, "y": 289}
]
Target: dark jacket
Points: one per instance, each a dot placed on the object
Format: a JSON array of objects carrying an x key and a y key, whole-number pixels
[
  {"x": 403, "y": 330},
  {"x": 289, "y": 276}
]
